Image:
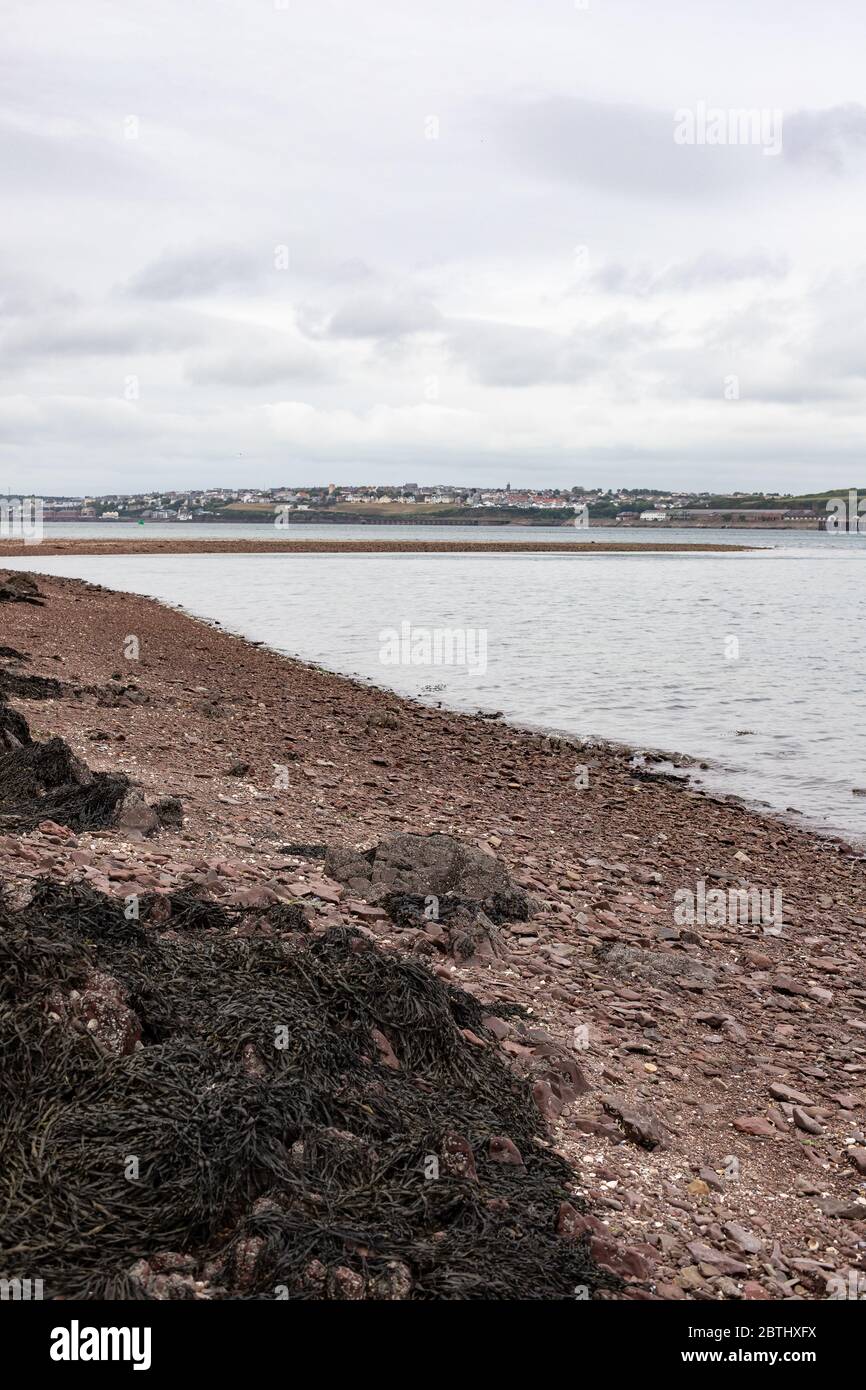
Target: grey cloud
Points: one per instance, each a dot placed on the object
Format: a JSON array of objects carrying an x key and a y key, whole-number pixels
[
  {"x": 819, "y": 339},
  {"x": 77, "y": 165},
  {"x": 96, "y": 334},
  {"x": 252, "y": 369},
  {"x": 508, "y": 354},
  {"x": 519, "y": 355},
  {"x": 631, "y": 150},
  {"x": 829, "y": 140},
  {"x": 619, "y": 333},
  {"x": 23, "y": 295},
  {"x": 451, "y": 257},
  {"x": 618, "y": 148},
  {"x": 310, "y": 264},
  {"x": 758, "y": 326},
  {"x": 758, "y": 382},
  {"x": 272, "y": 264},
  {"x": 822, "y": 361},
  {"x": 200, "y": 271},
  {"x": 720, "y": 268},
  {"x": 381, "y": 316},
  {"x": 836, "y": 339},
  {"x": 708, "y": 269}
]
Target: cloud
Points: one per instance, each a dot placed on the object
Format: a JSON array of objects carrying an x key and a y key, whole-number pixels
[
  {"x": 631, "y": 150},
  {"x": 831, "y": 140},
  {"x": 834, "y": 340},
  {"x": 201, "y": 271},
  {"x": 521, "y": 355},
  {"x": 429, "y": 309},
  {"x": 23, "y": 295},
  {"x": 711, "y": 268},
  {"x": 382, "y": 316},
  {"x": 78, "y": 164},
  {"x": 84, "y": 333},
  {"x": 255, "y": 368},
  {"x": 621, "y": 149},
  {"x": 508, "y": 354}
]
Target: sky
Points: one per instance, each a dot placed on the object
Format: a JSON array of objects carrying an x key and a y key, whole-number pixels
[{"x": 259, "y": 242}]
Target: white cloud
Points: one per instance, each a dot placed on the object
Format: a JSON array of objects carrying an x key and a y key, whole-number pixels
[{"x": 241, "y": 208}]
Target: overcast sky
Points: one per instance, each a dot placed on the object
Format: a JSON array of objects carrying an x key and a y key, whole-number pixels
[{"x": 252, "y": 242}]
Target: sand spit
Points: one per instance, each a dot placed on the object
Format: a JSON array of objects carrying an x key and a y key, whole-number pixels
[{"x": 190, "y": 546}]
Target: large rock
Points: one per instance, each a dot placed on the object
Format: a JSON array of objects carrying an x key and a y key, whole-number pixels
[
  {"x": 169, "y": 812},
  {"x": 661, "y": 968},
  {"x": 134, "y": 817},
  {"x": 430, "y": 866},
  {"x": 19, "y": 587},
  {"x": 641, "y": 1126}
]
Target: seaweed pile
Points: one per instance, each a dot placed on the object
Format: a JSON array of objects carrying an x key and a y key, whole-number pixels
[
  {"x": 45, "y": 781},
  {"x": 16, "y": 684},
  {"x": 188, "y": 1111}
]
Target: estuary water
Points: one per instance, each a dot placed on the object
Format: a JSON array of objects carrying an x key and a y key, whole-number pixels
[{"x": 751, "y": 663}]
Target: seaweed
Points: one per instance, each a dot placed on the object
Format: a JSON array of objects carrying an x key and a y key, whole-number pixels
[
  {"x": 24, "y": 687},
  {"x": 306, "y": 1116},
  {"x": 45, "y": 781}
]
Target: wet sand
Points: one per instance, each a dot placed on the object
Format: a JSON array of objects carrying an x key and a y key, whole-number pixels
[{"x": 191, "y": 546}]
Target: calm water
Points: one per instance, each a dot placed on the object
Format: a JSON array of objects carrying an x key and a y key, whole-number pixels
[{"x": 750, "y": 662}]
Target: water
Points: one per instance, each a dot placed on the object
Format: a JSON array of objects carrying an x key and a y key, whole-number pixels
[{"x": 750, "y": 662}]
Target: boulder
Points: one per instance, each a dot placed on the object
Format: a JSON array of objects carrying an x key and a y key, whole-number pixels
[
  {"x": 134, "y": 817},
  {"x": 641, "y": 1126},
  {"x": 18, "y": 587},
  {"x": 430, "y": 866},
  {"x": 169, "y": 812},
  {"x": 501, "y": 1149},
  {"x": 662, "y": 968}
]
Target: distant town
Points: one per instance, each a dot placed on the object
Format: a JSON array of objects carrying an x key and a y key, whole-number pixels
[{"x": 417, "y": 504}]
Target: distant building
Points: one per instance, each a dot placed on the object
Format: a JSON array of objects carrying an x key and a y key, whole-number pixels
[{"x": 741, "y": 513}]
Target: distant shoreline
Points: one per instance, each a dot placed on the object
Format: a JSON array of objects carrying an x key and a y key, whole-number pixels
[
  {"x": 303, "y": 519},
  {"x": 191, "y": 546}
]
